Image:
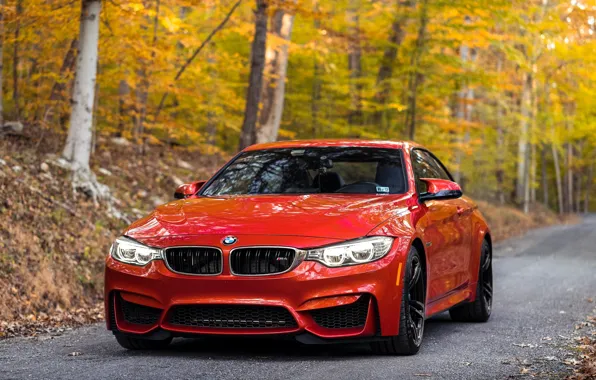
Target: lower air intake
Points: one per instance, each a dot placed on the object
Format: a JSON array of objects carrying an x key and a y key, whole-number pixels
[
  {"x": 342, "y": 317},
  {"x": 139, "y": 314},
  {"x": 232, "y": 316}
]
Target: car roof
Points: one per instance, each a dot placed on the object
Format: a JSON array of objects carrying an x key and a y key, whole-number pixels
[{"x": 321, "y": 143}]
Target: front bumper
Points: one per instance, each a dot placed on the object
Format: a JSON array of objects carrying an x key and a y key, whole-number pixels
[{"x": 306, "y": 292}]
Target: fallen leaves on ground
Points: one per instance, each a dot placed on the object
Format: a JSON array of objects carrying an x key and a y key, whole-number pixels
[
  {"x": 56, "y": 324},
  {"x": 584, "y": 364}
]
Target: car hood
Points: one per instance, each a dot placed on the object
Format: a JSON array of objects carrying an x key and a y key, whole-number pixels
[{"x": 344, "y": 216}]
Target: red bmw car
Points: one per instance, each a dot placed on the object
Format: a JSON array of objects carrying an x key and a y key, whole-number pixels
[{"x": 322, "y": 241}]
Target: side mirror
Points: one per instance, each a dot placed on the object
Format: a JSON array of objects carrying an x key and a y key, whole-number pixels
[
  {"x": 188, "y": 189},
  {"x": 440, "y": 189}
]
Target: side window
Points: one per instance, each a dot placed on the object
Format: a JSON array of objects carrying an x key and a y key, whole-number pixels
[
  {"x": 420, "y": 170},
  {"x": 426, "y": 166},
  {"x": 437, "y": 167}
]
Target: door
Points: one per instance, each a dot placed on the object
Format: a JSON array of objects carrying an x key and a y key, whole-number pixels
[{"x": 445, "y": 226}]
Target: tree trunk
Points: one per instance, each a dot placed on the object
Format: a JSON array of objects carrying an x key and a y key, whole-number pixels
[
  {"x": 143, "y": 87},
  {"x": 59, "y": 87},
  {"x": 1, "y": 63},
  {"x": 522, "y": 151},
  {"x": 589, "y": 183},
  {"x": 276, "y": 66},
  {"x": 355, "y": 63},
  {"x": 388, "y": 61},
  {"x": 316, "y": 81},
  {"x": 500, "y": 148},
  {"x": 415, "y": 77},
  {"x": 558, "y": 179},
  {"x": 123, "y": 106},
  {"x": 543, "y": 175},
  {"x": 555, "y": 152},
  {"x": 579, "y": 179},
  {"x": 569, "y": 162},
  {"x": 248, "y": 134},
  {"x": 464, "y": 109},
  {"x": 80, "y": 133},
  {"x": 15, "y": 64},
  {"x": 533, "y": 115},
  {"x": 211, "y": 127}
]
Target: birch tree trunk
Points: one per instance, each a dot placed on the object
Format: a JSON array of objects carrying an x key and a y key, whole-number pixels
[
  {"x": 543, "y": 175},
  {"x": 80, "y": 134},
  {"x": 500, "y": 149},
  {"x": 355, "y": 63},
  {"x": 569, "y": 162},
  {"x": 522, "y": 149},
  {"x": 555, "y": 152},
  {"x": 274, "y": 86},
  {"x": 531, "y": 185},
  {"x": 248, "y": 134},
  {"x": 316, "y": 81},
  {"x": 589, "y": 183},
  {"x": 464, "y": 110},
  {"x": 558, "y": 179}
]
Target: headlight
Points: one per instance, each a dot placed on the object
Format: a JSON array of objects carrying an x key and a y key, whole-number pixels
[
  {"x": 352, "y": 253},
  {"x": 131, "y": 252}
]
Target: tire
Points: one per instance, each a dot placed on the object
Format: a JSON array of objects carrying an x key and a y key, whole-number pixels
[
  {"x": 411, "y": 314},
  {"x": 478, "y": 310},
  {"x": 132, "y": 343}
]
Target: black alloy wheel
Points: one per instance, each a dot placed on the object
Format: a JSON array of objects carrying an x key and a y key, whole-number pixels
[
  {"x": 412, "y": 311},
  {"x": 479, "y": 310}
]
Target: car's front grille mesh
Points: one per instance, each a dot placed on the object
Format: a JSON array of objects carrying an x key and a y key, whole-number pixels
[
  {"x": 261, "y": 260},
  {"x": 139, "y": 314},
  {"x": 194, "y": 260},
  {"x": 345, "y": 316},
  {"x": 232, "y": 316}
]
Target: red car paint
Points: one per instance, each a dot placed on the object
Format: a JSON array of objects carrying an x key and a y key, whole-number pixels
[{"x": 448, "y": 232}]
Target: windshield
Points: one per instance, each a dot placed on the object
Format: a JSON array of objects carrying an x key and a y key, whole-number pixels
[{"x": 312, "y": 171}]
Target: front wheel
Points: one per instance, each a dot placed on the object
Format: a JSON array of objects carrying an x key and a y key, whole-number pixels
[
  {"x": 411, "y": 317},
  {"x": 479, "y": 310},
  {"x": 132, "y": 343}
]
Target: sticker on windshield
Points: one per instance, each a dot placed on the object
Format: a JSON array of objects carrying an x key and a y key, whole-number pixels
[{"x": 382, "y": 189}]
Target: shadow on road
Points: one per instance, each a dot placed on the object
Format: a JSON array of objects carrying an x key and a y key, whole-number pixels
[{"x": 277, "y": 349}]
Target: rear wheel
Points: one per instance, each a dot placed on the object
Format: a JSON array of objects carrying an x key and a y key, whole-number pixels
[
  {"x": 132, "y": 343},
  {"x": 411, "y": 318},
  {"x": 479, "y": 310}
]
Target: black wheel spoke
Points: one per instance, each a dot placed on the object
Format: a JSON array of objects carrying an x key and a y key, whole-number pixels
[
  {"x": 486, "y": 263},
  {"x": 415, "y": 300},
  {"x": 488, "y": 290},
  {"x": 415, "y": 275},
  {"x": 417, "y": 308}
]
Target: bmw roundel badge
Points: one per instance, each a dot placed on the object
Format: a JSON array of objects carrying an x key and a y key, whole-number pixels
[{"x": 229, "y": 240}]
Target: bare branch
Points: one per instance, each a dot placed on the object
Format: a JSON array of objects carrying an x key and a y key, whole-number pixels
[{"x": 194, "y": 55}]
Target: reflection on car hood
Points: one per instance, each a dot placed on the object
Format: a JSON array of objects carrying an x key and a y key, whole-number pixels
[{"x": 321, "y": 215}]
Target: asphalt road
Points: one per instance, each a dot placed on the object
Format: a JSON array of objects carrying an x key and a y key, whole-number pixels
[{"x": 542, "y": 283}]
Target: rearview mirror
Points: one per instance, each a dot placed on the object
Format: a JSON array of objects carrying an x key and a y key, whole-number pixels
[
  {"x": 440, "y": 189},
  {"x": 188, "y": 189}
]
